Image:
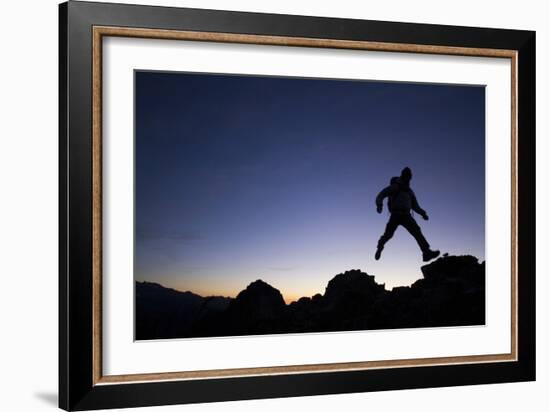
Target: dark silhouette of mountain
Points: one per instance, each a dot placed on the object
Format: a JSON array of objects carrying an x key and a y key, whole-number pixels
[
  {"x": 163, "y": 313},
  {"x": 450, "y": 293},
  {"x": 257, "y": 309}
]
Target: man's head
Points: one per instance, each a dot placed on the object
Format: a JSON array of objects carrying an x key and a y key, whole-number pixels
[{"x": 406, "y": 174}]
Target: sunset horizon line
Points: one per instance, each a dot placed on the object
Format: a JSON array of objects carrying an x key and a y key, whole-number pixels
[{"x": 288, "y": 298}]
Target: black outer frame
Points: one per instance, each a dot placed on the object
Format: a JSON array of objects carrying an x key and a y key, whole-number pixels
[{"x": 76, "y": 389}]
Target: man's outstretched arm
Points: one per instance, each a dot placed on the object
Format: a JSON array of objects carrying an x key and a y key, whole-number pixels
[
  {"x": 416, "y": 207},
  {"x": 381, "y": 196}
]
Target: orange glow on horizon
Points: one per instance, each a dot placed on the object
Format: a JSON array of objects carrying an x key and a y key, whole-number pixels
[{"x": 232, "y": 293}]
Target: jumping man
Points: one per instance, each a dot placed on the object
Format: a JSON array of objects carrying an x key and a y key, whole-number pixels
[{"x": 401, "y": 199}]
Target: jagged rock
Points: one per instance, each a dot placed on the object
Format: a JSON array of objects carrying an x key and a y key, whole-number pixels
[
  {"x": 259, "y": 299},
  {"x": 353, "y": 284},
  {"x": 450, "y": 293},
  {"x": 452, "y": 267},
  {"x": 257, "y": 309}
]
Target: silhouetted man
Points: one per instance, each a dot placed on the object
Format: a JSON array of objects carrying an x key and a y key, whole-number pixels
[{"x": 401, "y": 200}]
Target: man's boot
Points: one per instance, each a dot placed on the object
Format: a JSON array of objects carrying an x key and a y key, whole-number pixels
[
  {"x": 378, "y": 252},
  {"x": 429, "y": 255}
]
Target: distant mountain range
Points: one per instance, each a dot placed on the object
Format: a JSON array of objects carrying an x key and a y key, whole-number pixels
[{"x": 451, "y": 293}]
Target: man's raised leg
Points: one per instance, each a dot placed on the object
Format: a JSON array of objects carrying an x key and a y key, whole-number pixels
[
  {"x": 410, "y": 224},
  {"x": 391, "y": 226}
]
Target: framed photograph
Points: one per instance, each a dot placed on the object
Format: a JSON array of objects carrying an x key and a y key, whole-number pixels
[{"x": 256, "y": 206}]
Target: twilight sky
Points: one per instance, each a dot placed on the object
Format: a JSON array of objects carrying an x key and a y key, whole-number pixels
[{"x": 241, "y": 178}]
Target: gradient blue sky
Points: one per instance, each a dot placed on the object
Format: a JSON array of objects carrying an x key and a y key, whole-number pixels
[{"x": 241, "y": 178}]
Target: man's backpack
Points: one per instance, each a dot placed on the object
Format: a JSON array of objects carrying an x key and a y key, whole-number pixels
[{"x": 400, "y": 199}]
